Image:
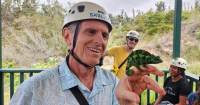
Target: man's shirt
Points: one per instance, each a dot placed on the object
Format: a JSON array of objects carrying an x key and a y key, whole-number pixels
[
  {"x": 192, "y": 97},
  {"x": 175, "y": 89},
  {"x": 120, "y": 54},
  {"x": 51, "y": 87}
]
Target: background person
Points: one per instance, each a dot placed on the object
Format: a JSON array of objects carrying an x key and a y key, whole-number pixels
[
  {"x": 194, "y": 98},
  {"x": 120, "y": 53},
  {"x": 176, "y": 85}
]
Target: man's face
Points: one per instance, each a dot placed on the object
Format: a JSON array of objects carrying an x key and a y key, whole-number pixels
[
  {"x": 131, "y": 42},
  {"x": 173, "y": 71},
  {"x": 92, "y": 40}
]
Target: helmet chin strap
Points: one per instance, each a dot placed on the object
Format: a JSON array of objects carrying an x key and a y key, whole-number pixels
[
  {"x": 80, "y": 61},
  {"x": 75, "y": 56}
]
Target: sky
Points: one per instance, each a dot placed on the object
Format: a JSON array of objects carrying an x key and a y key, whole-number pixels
[{"x": 115, "y": 6}]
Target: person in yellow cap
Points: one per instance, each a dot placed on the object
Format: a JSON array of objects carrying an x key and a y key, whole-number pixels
[
  {"x": 120, "y": 53},
  {"x": 79, "y": 80}
]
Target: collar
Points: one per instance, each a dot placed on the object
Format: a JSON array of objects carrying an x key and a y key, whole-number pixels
[{"x": 68, "y": 79}]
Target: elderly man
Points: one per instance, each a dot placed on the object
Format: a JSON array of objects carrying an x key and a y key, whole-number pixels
[{"x": 79, "y": 80}]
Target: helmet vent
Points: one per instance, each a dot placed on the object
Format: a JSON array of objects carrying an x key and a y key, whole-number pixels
[
  {"x": 81, "y": 8},
  {"x": 71, "y": 12}
]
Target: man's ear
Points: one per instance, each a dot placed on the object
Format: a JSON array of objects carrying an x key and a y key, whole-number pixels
[{"x": 67, "y": 35}]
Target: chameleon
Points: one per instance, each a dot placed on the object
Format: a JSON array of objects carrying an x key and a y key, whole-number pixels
[{"x": 140, "y": 57}]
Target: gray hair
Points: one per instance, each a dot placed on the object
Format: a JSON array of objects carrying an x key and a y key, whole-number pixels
[{"x": 71, "y": 27}]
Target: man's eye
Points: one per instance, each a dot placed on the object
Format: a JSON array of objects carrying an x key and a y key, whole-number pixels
[
  {"x": 92, "y": 32},
  {"x": 105, "y": 35}
]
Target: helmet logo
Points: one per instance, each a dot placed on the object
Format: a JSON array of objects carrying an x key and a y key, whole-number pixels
[
  {"x": 98, "y": 15},
  {"x": 81, "y": 8},
  {"x": 100, "y": 12}
]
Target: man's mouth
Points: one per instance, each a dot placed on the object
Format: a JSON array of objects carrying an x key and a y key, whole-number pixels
[{"x": 94, "y": 50}]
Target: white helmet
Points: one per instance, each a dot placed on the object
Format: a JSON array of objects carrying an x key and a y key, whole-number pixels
[
  {"x": 179, "y": 62},
  {"x": 87, "y": 10},
  {"x": 134, "y": 34}
]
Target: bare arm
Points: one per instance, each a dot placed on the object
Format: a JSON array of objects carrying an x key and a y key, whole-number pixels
[
  {"x": 158, "y": 100},
  {"x": 182, "y": 100},
  {"x": 129, "y": 88}
]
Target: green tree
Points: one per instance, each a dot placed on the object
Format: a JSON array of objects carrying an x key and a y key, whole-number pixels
[
  {"x": 160, "y": 6},
  {"x": 197, "y": 5}
]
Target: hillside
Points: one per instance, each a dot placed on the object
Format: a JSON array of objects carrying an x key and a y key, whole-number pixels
[
  {"x": 161, "y": 43},
  {"x": 32, "y": 37}
]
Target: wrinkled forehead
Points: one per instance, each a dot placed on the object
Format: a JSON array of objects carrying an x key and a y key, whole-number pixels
[{"x": 93, "y": 23}]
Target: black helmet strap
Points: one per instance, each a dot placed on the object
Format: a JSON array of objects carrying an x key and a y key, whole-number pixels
[{"x": 74, "y": 45}]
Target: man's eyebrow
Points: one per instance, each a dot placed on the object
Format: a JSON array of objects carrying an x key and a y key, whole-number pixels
[
  {"x": 94, "y": 29},
  {"x": 88, "y": 29}
]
